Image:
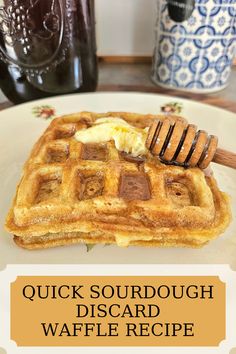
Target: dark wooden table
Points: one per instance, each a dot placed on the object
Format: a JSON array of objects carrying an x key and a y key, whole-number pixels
[{"x": 214, "y": 100}]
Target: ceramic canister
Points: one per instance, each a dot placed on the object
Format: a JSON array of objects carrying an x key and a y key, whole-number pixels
[{"x": 195, "y": 44}]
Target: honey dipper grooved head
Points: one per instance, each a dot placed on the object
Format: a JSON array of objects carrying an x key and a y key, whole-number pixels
[{"x": 181, "y": 145}]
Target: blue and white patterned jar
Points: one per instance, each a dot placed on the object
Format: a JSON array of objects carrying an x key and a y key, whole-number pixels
[{"x": 196, "y": 54}]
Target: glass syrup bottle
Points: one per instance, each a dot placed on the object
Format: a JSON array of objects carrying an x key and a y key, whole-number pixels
[{"x": 47, "y": 48}]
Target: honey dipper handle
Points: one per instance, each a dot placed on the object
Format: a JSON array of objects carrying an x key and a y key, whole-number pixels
[{"x": 225, "y": 158}]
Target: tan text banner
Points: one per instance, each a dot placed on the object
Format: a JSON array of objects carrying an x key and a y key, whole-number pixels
[{"x": 117, "y": 311}]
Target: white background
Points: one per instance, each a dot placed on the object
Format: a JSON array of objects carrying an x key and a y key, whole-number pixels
[
  {"x": 223, "y": 271},
  {"x": 125, "y": 27}
]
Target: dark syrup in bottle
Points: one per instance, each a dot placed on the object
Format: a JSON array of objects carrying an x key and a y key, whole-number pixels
[{"x": 47, "y": 47}]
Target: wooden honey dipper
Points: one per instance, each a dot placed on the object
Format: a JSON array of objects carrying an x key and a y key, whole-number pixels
[{"x": 184, "y": 145}]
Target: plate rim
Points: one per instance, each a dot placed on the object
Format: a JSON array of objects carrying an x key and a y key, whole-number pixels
[{"x": 125, "y": 93}]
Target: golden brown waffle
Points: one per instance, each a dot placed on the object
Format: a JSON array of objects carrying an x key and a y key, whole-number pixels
[{"x": 71, "y": 193}]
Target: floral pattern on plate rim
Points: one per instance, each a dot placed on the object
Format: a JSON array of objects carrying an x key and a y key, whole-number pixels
[
  {"x": 49, "y": 112},
  {"x": 44, "y": 112},
  {"x": 172, "y": 108}
]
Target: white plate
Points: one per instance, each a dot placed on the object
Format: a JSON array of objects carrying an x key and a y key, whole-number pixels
[{"x": 19, "y": 129}]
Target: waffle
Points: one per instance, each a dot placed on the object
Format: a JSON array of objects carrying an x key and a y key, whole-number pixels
[{"x": 91, "y": 193}]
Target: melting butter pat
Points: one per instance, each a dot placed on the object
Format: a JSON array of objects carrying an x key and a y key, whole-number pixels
[{"x": 126, "y": 137}]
